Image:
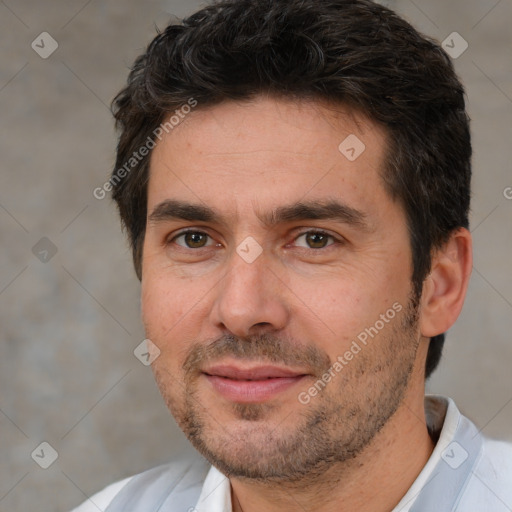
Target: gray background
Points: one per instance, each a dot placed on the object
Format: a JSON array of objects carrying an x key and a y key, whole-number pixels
[{"x": 69, "y": 326}]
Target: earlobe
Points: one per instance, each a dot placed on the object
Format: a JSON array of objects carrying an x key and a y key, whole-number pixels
[{"x": 445, "y": 287}]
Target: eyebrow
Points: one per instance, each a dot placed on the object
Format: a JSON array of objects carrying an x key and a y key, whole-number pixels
[{"x": 171, "y": 209}]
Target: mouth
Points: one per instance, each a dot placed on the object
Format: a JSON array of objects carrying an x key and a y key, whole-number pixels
[{"x": 253, "y": 384}]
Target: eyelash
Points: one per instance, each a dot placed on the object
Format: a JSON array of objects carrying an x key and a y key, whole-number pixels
[{"x": 314, "y": 231}]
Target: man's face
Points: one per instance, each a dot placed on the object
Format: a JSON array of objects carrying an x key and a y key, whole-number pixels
[{"x": 287, "y": 334}]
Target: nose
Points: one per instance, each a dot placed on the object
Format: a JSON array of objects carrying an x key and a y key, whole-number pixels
[{"x": 250, "y": 298}]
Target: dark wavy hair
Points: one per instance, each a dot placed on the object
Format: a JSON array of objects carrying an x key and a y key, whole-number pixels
[{"x": 351, "y": 52}]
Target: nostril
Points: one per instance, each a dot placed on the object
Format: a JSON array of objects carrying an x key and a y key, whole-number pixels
[{"x": 262, "y": 324}]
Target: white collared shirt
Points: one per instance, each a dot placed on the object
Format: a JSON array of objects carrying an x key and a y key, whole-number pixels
[{"x": 465, "y": 473}]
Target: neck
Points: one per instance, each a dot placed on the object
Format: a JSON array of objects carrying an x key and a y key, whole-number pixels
[{"x": 375, "y": 480}]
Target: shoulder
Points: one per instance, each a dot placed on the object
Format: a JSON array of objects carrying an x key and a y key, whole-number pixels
[
  {"x": 490, "y": 485},
  {"x": 499, "y": 450},
  {"x": 168, "y": 478},
  {"x": 101, "y": 500},
  {"x": 496, "y": 462}
]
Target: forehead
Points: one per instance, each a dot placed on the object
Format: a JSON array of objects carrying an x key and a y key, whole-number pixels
[{"x": 238, "y": 154}]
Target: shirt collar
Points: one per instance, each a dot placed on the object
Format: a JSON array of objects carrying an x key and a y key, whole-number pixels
[
  {"x": 442, "y": 418},
  {"x": 216, "y": 493}
]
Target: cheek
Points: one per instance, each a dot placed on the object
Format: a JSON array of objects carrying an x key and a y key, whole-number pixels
[
  {"x": 161, "y": 308},
  {"x": 340, "y": 298},
  {"x": 173, "y": 312},
  {"x": 343, "y": 307}
]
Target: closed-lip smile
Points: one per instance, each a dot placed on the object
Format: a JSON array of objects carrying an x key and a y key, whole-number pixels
[{"x": 251, "y": 384}]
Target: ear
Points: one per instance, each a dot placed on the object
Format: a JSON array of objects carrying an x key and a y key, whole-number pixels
[{"x": 445, "y": 287}]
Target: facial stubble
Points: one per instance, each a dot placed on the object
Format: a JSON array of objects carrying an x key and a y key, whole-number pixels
[{"x": 264, "y": 444}]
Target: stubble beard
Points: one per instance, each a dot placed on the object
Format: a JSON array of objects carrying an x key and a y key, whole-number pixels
[{"x": 266, "y": 446}]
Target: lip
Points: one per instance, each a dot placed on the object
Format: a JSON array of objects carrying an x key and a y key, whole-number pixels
[{"x": 251, "y": 384}]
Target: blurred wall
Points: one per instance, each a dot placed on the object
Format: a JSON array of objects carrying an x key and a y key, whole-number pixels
[{"x": 69, "y": 300}]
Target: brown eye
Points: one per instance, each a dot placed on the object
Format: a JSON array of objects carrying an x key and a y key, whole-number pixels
[
  {"x": 192, "y": 239},
  {"x": 315, "y": 239}
]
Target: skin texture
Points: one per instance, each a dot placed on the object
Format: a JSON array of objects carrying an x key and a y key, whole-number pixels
[{"x": 299, "y": 305}]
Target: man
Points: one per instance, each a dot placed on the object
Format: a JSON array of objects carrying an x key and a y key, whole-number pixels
[{"x": 294, "y": 178}]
